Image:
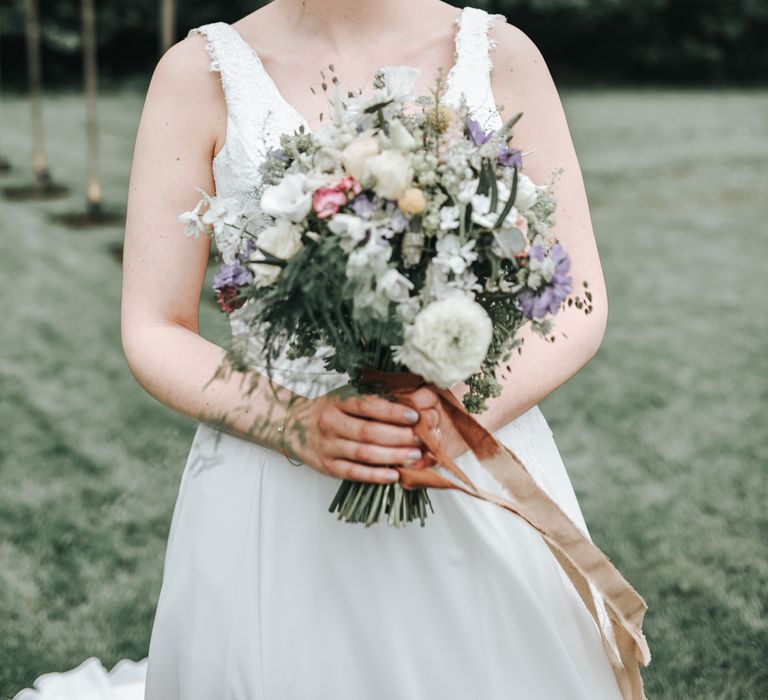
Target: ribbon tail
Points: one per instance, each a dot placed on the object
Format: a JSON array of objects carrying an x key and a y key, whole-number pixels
[{"x": 585, "y": 565}]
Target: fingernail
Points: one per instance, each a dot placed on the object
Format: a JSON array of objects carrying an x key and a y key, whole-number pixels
[
  {"x": 411, "y": 416},
  {"x": 392, "y": 476},
  {"x": 414, "y": 454}
]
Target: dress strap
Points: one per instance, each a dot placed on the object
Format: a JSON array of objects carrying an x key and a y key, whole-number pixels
[
  {"x": 254, "y": 115},
  {"x": 471, "y": 73},
  {"x": 232, "y": 59}
]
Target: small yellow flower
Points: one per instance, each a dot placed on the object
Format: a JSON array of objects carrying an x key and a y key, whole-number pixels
[
  {"x": 412, "y": 201},
  {"x": 441, "y": 118}
]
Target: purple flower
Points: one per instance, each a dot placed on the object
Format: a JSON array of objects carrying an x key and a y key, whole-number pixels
[
  {"x": 234, "y": 275},
  {"x": 510, "y": 156},
  {"x": 561, "y": 278},
  {"x": 536, "y": 253},
  {"x": 476, "y": 132},
  {"x": 362, "y": 205},
  {"x": 548, "y": 298}
]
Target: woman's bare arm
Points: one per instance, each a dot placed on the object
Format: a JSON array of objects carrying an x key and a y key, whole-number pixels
[
  {"x": 163, "y": 273},
  {"x": 522, "y": 83}
]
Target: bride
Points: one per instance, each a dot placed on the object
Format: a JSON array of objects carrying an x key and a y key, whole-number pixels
[{"x": 265, "y": 594}]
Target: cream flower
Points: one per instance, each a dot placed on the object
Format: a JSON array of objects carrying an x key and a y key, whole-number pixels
[
  {"x": 391, "y": 172},
  {"x": 447, "y": 341},
  {"x": 412, "y": 201},
  {"x": 291, "y": 198},
  {"x": 356, "y": 154},
  {"x": 283, "y": 240}
]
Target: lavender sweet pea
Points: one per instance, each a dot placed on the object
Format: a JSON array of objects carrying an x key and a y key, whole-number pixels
[
  {"x": 510, "y": 156},
  {"x": 549, "y": 297},
  {"x": 507, "y": 156},
  {"x": 362, "y": 205},
  {"x": 234, "y": 275},
  {"x": 476, "y": 132}
]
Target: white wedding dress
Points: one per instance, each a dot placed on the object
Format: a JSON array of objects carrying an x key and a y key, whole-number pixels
[{"x": 267, "y": 596}]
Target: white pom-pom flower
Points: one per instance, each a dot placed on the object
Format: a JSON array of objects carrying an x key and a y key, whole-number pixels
[{"x": 447, "y": 341}]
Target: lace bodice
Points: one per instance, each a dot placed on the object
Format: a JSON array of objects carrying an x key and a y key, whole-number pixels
[{"x": 257, "y": 113}]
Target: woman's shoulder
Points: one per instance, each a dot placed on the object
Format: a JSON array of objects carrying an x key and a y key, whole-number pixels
[
  {"x": 185, "y": 90},
  {"x": 520, "y": 75},
  {"x": 186, "y": 68},
  {"x": 512, "y": 47}
]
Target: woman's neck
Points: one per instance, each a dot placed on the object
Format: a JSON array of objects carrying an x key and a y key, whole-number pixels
[{"x": 350, "y": 22}]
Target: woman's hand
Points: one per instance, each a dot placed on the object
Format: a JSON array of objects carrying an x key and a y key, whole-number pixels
[
  {"x": 447, "y": 436},
  {"x": 347, "y": 436}
]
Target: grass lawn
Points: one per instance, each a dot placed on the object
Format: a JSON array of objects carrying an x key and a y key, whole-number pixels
[{"x": 664, "y": 433}]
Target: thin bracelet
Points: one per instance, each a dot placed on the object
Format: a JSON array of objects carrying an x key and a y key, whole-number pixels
[{"x": 281, "y": 433}]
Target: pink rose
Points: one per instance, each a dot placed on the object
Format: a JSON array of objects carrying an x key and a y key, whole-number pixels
[
  {"x": 327, "y": 201},
  {"x": 348, "y": 184}
]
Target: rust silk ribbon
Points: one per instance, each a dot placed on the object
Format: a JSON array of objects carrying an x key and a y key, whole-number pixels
[{"x": 584, "y": 564}]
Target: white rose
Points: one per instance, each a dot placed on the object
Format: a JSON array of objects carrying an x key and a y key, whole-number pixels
[
  {"x": 288, "y": 199},
  {"x": 448, "y": 341},
  {"x": 283, "y": 240},
  {"x": 527, "y": 192},
  {"x": 355, "y": 155},
  {"x": 391, "y": 172}
]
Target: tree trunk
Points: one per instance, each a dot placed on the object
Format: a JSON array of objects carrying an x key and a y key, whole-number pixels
[
  {"x": 90, "y": 74},
  {"x": 167, "y": 24},
  {"x": 5, "y": 164},
  {"x": 34, "y": 69}
]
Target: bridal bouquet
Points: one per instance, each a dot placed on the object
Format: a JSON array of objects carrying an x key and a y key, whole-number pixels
[{"x": 404, "y": 241}]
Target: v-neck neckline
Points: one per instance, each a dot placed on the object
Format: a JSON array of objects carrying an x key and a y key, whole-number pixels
[{"x": 298, "y": 116}]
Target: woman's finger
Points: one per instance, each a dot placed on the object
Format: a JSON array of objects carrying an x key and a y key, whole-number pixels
[
  {"x": 367, "y": 453},
  {"x": 424, "y": 397},
  {"x": 378, "y": 408},
  {"x": 344, "y": 469},
  {"x": 432, "y": 417},
  {"x": 373, "y": 432}
]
